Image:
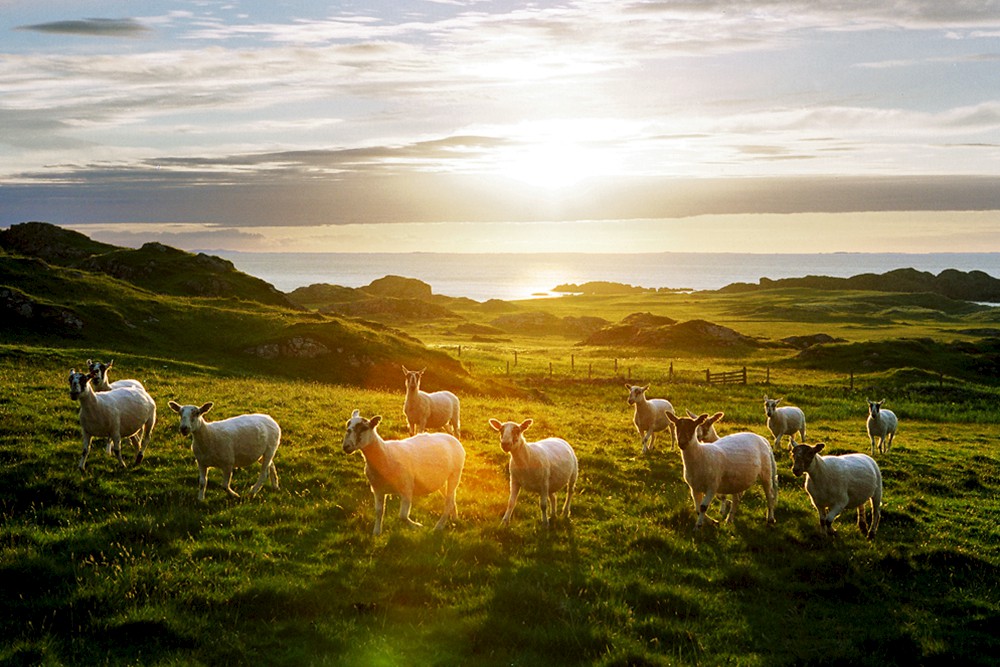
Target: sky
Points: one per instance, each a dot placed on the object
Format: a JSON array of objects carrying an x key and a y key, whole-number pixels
[{"x": 460, "y": 125}]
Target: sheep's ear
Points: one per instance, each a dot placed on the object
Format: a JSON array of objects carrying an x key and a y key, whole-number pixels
[
  {"x": 375, "y": 421},
  {"x": 89, "y": 362},
  {"x": 818, "y": 447},
  {"x": 674, "y": 418},
  {"x": 701, "y": 419},
  {"x": 645, "y": 389},
  {"x": 205, "y": 408},
  {"x": 111, "y": 363},
  {"x": 495, "y": 423},
  {"x": 421, "y": 371},
  {"x": 691, "y": 415},
  {"x": 175, "y": 406},
  {"x": 355, "y": 414},
  {"x": 525, "y": 425},
  {"x": 405, "y": 371},
  {"x": 714, "y": 418},
  {"x": 627, "y": 385},
  {"x": 766, "y": 398},
  {"x": 881, "y": 402}
]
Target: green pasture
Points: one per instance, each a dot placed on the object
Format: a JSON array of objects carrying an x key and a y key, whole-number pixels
[{"x": 125, "y": 567}]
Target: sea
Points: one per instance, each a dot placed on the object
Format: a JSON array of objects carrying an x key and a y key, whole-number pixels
[{"x": 524, "y": 276}]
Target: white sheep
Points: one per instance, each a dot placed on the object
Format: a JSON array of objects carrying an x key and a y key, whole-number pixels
[
  {"x": 786, "y": 420},
  {"x": 429, "y": 410},
  {"x": 726, "y": 467},
  {"x": 838, "y": 483},
  {"x": 230, "y": 443},
  {"x": 416, "y": 466},
  {"x": 116, "y": 414},
  {"x": 706, "y": 431},
  {"x": 650, "y": 415},
  {"x": 101, "y": 382},
  {"x": 882, "y": 424},
  {"x": 543, "y": 467},
  {"x": 99, "y": 371}
]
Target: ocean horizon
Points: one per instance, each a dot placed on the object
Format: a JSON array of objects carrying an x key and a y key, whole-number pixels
[{"x": 512, "y": 276}]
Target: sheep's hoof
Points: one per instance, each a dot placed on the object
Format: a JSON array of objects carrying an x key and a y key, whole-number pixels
[{"x": 138, "y": 459}]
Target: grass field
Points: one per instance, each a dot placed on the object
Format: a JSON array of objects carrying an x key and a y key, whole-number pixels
[{"x": 124, "y": 566}]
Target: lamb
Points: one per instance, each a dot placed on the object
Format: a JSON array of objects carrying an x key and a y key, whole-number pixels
[
  {"x": 542, "y": 467},
  {"x": 650, "y": 415},
  {"x": 434, "y": 410},
  {"x": 230, "y": 443},
  {"x": 415, "y": 466},
  {"x": 786, "y": 420},
  {"x": 116, "y": 414},
  {"x": 882, "y": 424},
  {"x": 728, "y": 466},
  {"x": 837, "y": 483}
]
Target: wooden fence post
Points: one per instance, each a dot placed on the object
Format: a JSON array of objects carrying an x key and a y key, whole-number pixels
[
  {"x": 515, "y": 357},
  {"x": 745, "y": 374},
  {"x": 590, "y": 369},
  {"x": 708, "y": 375},
  {"x": 671, "y": 371},
  {"x": 852, "y": 380},
  {"x": 572, "y": 362},
  {"x": 550, "y": 369},
  {"x": 508, "y": 367},
  {"x": 616, "y": 365}
]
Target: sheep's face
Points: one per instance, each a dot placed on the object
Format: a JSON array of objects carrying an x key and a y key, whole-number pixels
[
  {"x": 511, "y": 434},
  {"x": 98, "y": 370},
  {"x": 77, "y": 383},
  {"x": 360, "y": 432},
  {"x": 413, "y": 379},
  {"x": 770, "y": 405},
  {"x": 190, "y": 415},
  {"x": 802, "y": 457},
  {"x": 873, "y": 408},
  {"x": 636, "y": 394}
]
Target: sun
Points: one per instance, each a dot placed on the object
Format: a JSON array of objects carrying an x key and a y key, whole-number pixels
[{"x": 550, "y": 165}]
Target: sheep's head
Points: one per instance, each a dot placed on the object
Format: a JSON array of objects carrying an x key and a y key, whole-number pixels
[
  {"x": 803, "y": 456},
  {"x": 874, "y": 407},
  {"x": 413, "y": 378},
  {"x": 99, "y": 370},
  {"x": 706, "y": 432},
  {"x": 360, "y": 431},
  {"x": 636, "y": 393},
  {"x": 190, "y": 415},
  {"x": 511, "y": 434},
  {"x": 78, "y": 383},
  {"x": 687, "y": 428},
  {"x": 770, "y": 405}
]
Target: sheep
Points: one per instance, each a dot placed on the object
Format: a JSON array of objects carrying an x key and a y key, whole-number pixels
[
  {"x": 434, "y": 410},
  {"x": 882, "y": 424},
  {"x": 706, "y": 432},
  {"x": 415, "y": 466},
  {"x": 542, "y": 467},
  {"x": 838, "y": 483},
  {"x": 728, "y": 466},
  {"x": 230, "y": 443},
  {"x": 650, "y": 415},
  {"x": 786, "y": 420},
  {"x": 101, "y": 383},
  {"x": 114, "y": 414}
]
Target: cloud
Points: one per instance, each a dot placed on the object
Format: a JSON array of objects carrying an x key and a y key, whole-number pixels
[{"x": 95, "y": 27}]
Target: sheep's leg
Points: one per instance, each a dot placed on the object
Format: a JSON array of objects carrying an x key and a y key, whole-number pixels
[
  {"x": 553, "y": 507},
  {"x": 888, "y": 445},
  {"x": 876, "y": 502},
  {"x": 265, "y": 470},
  {"x": 450, "y": 508},
  {"x": 569, "y": 496},
  {"x": 832, "y": 513},
  {"x": 515, "y": 489},
  {"x": 117, "y": 440},
  {"x": 873, "y": 445},
  {"x": 405, "y": 502},
  {"x": 86, "y": 450},
  {"x": 273, "y": 473},
  {"x": 703, "y": 506},
  {"x": 734, "y": 504},
  {"x": 727, "y": 508},
  {"x": 202, "y": 481},
  {"x": 543, "y": 505},
  {"x": 142, "y": 442},
  {"x": 379, "y": 512},
  {"x": 862, "y": 523},
  {"x": 646, "y": 444},
  {"x": 227, "y": 477}
]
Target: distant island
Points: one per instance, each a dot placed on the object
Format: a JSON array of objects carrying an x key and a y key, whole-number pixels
[
  {"x": 954, "y": 284},
  {"x": 604, "y": 288}
]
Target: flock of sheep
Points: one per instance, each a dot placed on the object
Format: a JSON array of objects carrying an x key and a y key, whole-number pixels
[{"x": 426, "y": 462}]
